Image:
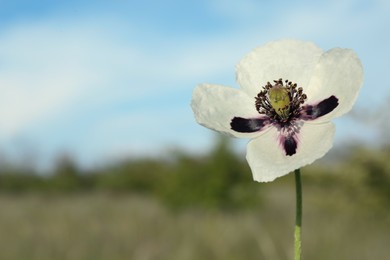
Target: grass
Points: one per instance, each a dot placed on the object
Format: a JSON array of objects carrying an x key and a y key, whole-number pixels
[{"x": 111, "y": 226}]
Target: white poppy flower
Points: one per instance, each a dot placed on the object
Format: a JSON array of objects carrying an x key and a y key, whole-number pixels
[{"x": 290, "y": 90}]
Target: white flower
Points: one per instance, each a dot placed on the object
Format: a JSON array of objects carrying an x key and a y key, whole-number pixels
[{"x": 288, "y": 120}]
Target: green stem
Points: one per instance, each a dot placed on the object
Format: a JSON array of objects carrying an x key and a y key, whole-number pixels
[{"x": 298, "y": 216}]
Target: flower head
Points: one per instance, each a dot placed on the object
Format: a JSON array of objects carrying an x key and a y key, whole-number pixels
[{"x": 290, "y": 90}]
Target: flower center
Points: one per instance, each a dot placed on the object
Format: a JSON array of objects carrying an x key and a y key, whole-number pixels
[{"x": 280, "y": 102}]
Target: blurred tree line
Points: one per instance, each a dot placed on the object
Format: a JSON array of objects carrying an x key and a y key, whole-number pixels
[{"x": 219, "y": 179}]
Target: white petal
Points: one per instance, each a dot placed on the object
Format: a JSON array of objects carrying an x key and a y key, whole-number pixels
[
  {"x": 215, "y": 106},
  {"x": 268, "y": 161},
  {"x": 339, "y": 73},
  {"x": 288, "y": 59}
]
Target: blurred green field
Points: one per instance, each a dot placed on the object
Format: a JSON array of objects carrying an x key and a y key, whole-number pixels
[
  {"x": 197, "y": 207},
  {"x": 107, "y": 226}
]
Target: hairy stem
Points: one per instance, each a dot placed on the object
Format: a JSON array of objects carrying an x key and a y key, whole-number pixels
[{"x": 298, "y": 216}]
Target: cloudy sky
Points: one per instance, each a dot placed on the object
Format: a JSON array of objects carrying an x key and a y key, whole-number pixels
[{"x": 109, "y": 79}]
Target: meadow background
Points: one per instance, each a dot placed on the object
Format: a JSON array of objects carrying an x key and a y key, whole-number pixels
[
  {"x": 101, "y": 158},
  {"x": 196, "y": 207}
]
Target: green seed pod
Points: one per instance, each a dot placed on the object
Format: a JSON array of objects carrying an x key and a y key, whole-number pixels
[{"x": 280, "y": 100}]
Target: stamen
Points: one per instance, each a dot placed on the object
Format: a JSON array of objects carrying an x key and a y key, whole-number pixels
[{"x": 280, "y": 101}]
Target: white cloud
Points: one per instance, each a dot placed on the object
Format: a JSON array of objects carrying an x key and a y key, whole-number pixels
[
  {"x": 41, "y": 72},
  {"x": 51, "y": 73},
  {"x": 47, "y": 70}
]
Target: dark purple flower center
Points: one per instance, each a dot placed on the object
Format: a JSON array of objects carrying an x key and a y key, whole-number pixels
[
  {"x": 282, "y": 105},
  {"x": 287, "y": 108}
]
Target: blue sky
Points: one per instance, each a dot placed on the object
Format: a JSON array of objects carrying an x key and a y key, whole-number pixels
[{"x": 104, "y": 80}]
